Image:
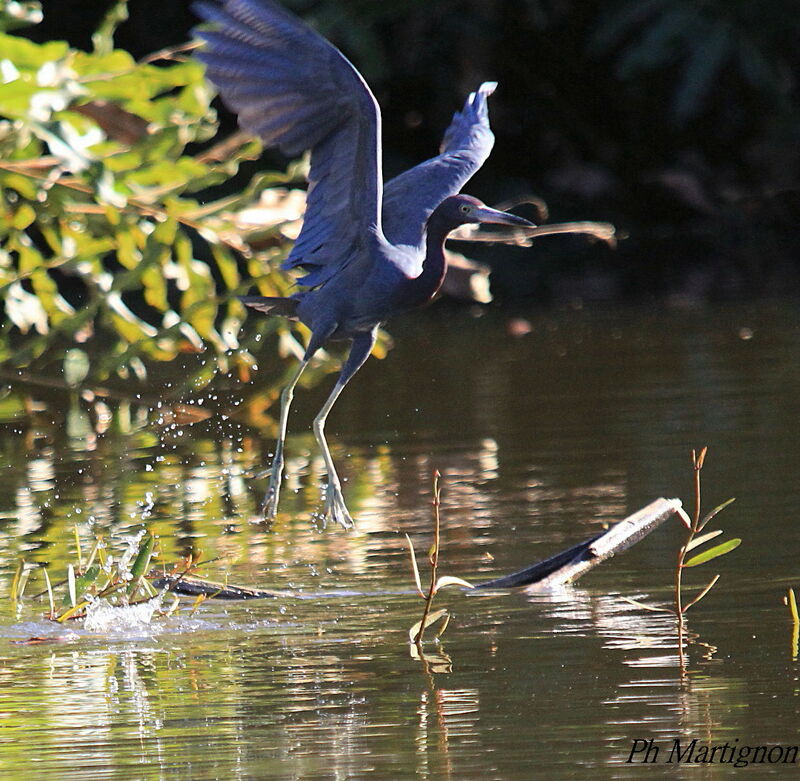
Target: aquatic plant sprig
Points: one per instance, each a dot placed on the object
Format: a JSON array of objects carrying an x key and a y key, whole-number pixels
[
  {"x": 695, "y": 538},
  {"x": 124, "y": 577},
  {"x": 111, "y": 582},
  {"x": 102, "y": 576},
  {"x": 417, "y": 631},
  {"x": 694, "y": 526}
]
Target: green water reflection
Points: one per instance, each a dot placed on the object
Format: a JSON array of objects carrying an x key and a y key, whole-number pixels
[{"x": 540, "y": 440}]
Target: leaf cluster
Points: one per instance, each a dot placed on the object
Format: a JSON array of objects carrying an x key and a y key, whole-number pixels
[{"x": 103, "y": 224}]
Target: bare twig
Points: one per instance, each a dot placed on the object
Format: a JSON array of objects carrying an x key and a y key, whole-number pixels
[{"x": 433, "y": 558}]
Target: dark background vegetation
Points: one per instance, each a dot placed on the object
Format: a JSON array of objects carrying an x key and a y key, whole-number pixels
[{"x": 678, "y": 120}]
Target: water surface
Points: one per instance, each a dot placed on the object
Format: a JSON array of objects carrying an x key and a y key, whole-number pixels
[{"x": 541, "y": 439}]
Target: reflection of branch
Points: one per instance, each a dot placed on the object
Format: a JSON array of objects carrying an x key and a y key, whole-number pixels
[{"x": 172, "y": 412}]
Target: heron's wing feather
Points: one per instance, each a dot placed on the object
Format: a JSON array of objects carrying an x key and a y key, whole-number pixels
[
  {"x": 409, "y": 199},
  {"x": 296, "y": 91}
]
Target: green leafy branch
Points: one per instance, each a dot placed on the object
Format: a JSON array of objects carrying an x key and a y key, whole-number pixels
[
  {"x": 105, "y": 225},
  {"x": 695, "y": 538}
]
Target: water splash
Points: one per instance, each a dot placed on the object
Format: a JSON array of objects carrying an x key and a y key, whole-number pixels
[
  {"x": 102, "y": 616},
  {"x": 132, "y": 541}
]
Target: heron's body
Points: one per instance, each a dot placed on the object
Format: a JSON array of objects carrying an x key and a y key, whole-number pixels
[
  {"x": 389, "y": 280},
  {"x": 369, "y": 252}
]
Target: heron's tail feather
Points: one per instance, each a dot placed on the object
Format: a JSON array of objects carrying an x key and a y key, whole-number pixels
[{"x": 272, "y": 305}]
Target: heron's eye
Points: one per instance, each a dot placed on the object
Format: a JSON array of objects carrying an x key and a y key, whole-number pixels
[{"x": 466, "y": 208}]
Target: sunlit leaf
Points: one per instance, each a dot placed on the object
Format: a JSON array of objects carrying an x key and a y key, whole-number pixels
[
  {"x": 103, "y": 37},
  {"x": 12, "y": 407},
  {"x": 19, "y": 13},
  {"x": 685, "y": 519},
  {"x": 792, "y": 600},
  {"x": 16, "y": 590},
  {"x": 96, "y": 164},
  {"x": 71, "y": 612},
  {"x": 73, "y": 599},
  {"x": 414, "y": 567},
  {"x": 25, "y": 186},
  {"x": 25, "y": 310},
  {"x": 702, "y": 593},
  {"x": 645, "y": 606},
  {"x": 23, "y": 216},
  {"x": 431, "y": 618},
  {"x": 703, "y": 538},
  {"x": 717, "y": 509},
  {"x": 227, "y": 266},
  {"x": 127, "y": 324},
  {"x": 29, "y": 55},
  {"x": 76, "y": 367},
  {"x": 713, "y": 553},
  {"x": 87, "y": 580},
  {"x": 443, "y": 626},
  {"x": 50, "y": 597},
  {"x": 199, "y": 599},
  {"x": 155, "y": 288},
  {"x": 141, "y": 562},
  {"x": 450, "y": 580}
]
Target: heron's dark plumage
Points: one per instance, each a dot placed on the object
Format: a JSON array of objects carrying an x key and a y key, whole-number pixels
[{"x": 368, "y": 251}]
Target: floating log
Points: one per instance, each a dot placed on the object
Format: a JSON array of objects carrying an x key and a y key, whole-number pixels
[
  {"x": 194, "y": 587},
  {"x": 569, "y": 565}
]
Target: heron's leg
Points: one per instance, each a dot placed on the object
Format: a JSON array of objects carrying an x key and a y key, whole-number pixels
[
  {"x": 270, "y": 505},
  {"x": 335, "y": 508}
]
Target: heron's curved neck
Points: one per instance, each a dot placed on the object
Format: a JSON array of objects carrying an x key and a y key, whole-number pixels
[{"x": 434, "y": 265}]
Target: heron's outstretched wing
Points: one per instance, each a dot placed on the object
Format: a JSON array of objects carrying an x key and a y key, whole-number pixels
[
  {"x": 409, "y": 199},
  {"x": 296, "y": 91}
]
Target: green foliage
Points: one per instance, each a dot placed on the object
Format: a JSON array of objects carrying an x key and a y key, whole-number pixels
[
  {"x": 713, "y": 553},
  {"x": 101, "y": 228}
]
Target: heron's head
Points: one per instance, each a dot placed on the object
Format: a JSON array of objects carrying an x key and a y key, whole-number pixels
[{"x": 462, "y": 209}]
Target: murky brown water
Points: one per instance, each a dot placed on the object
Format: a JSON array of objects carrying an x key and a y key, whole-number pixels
[{"x": 540, "y": 439}]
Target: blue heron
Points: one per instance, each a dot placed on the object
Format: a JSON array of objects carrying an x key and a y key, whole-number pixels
[{"x": 368, "y": 250}]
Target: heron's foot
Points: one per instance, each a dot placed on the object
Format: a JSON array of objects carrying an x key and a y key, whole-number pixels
[
  {"x": 269, "y": 506},
  {"x": 335, "y": 508}
]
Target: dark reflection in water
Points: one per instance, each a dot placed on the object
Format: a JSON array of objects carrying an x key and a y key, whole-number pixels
[{"x": 540, "y": 440}]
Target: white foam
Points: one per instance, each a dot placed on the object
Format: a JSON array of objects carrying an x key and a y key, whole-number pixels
[{"x": 102, "y": 616}]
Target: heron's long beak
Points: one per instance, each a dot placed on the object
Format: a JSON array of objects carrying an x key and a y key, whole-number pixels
[{"x": 485, "y": 214}]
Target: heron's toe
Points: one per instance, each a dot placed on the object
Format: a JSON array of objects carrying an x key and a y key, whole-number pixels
[
  {"x": 269, "y": 507},
  {"x": 336, "y": 509}
]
